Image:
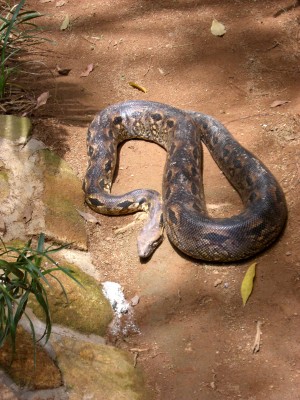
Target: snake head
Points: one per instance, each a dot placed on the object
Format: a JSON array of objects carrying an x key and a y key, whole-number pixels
[{"x": 148, "y": 241}]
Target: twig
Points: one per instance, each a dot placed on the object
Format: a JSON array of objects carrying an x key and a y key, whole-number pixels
[
  {"x": 256, "y": 344},
  {"x": 157, "y": 354},
  {"x": 248, "y": 116},
  {"x": 138, "y": 350},
  {"x": 286, "y": 9},
  {"x": 136, "y": 355},
  {"x": 179, "y": 296},
  {"x": 275, "y": 44},
  {"x": 149, "y": 66},
  {"x": 174, "y": 46},
  {"x": 89, "y": 41}
]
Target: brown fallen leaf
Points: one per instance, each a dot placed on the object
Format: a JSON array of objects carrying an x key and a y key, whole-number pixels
[
  {"x": 138, "y": 87},
  {"x": 63, "y": 71},
  {"x": 65, "y": 24},
  {"x": 42, "y": 100},
  {"x": 277, "y": 103},
  {"x": 88, "y": 217},
  {"x": 163, "y": 72},
  {"x": 87, "y": 71}
]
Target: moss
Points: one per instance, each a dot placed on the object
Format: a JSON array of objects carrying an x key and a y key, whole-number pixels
[
  {"x": 86, "y": 309},
  {"x": 15, "y": 128},
  {"x": 4, "y": 183},
  {"x": 54, "y": 164},
  {"x": 62, "y": 196}
]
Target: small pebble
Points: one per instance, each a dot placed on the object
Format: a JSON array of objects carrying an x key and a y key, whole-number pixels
[
  {"x": 135, "y": 300},
  {"x": 288, "y": 253},
  {"x": 226, "y": 285},
  {"x": 217, "y": 282}
]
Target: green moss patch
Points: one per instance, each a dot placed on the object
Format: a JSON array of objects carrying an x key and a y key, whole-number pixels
[
  {"x": 4, "y": 183},
  {"x": 15, "y": 128},
  {"x": 85, "y": 309},
  {"x": 62, "y": 196}
]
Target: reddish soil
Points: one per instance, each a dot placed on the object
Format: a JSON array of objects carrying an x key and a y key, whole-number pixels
[{"x": 196, "y": 337}]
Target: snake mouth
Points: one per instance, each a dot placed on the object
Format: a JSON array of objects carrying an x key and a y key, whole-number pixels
[{"x": 147, "y": 246}]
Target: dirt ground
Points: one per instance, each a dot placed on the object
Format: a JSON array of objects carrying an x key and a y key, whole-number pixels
[{"x": 196, "y": 338}]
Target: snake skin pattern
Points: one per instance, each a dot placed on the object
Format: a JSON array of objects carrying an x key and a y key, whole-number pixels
[{"x": 183, "y": 210}]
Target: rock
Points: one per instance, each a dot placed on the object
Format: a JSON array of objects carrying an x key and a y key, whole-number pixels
[
  {"x": 41, "y": 373},
  {"x": 98, "y": 372},
  {"x": 218, "y": 282},
  {"x": 52, "y": 191},
  {"x": 6, "y": 392},
  {"x": 87, "y": 310},
  {"x": 16, "y": 129},
  {"x": 39, "y": 192},
  {"x": 62, "y": 195},
  {"x": 23, "y": 188}
]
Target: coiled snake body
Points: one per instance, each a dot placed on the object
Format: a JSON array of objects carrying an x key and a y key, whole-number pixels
[{"x": 183, "y": 211}]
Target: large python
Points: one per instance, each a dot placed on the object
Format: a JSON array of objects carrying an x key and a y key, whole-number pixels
[{"x": 183, "y": 210}]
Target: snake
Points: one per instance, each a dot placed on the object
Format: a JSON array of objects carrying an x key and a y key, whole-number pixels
[{"x": 181, "y": 210}]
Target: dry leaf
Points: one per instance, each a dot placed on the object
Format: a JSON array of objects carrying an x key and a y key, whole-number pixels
[
  {"x": 277, "y": 103},
  {"x": 62, "y": 71},
  {"x": 88, "y": 217},
  {"x": 138, "y": 87},
  {"x": 163, "y": 72},
  {"x": 65, "y": 24},
  {"x": 42, "y": 100},
  {"x": 97, "y": 37},
  {"x": 60, "y": 3},
  {"x": 217, "y": 28},
  {"x": 87, "y": 71},
  {"x": 247, "y": 284}
]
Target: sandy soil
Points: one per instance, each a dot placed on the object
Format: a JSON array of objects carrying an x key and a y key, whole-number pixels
[{"x": 195, "y": 336}]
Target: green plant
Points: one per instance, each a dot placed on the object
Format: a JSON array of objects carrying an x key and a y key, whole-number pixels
[
  {"x": 23, "y": 272},
  {"x": 16, "y": 31}
]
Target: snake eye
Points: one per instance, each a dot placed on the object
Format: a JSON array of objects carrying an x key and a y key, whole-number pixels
[
  {"x": 117, "y": 120},
  {"x": 170, "y": 123},
  {"x": 156, "y": 117}
]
